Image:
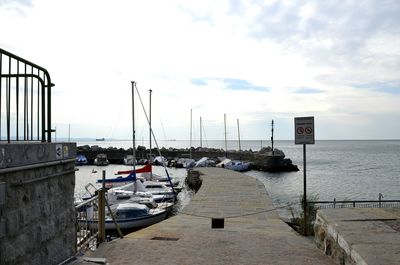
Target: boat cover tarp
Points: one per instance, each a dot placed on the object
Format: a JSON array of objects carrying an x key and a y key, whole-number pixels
[{"x": 146, "y": 168}]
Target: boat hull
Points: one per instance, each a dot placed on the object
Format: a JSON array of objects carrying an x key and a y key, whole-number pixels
[{"x": 131, "y": 223}]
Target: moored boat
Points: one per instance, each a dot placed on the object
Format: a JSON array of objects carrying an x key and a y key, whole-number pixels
[
  {"x": 81, "y": 160},
  {"x": 101, "y": 160},
  {"x": 130, "y": 215}
]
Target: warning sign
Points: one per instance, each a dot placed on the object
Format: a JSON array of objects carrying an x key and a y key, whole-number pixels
[
  {"x": 59, "y": 151},
  {"x": 304, "y": 130}
]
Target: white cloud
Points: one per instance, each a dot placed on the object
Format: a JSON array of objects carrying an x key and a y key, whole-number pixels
[{"x": 93, "y": 49}]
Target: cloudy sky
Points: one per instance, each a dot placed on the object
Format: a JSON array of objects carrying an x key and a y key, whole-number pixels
[{"x": 255, "y": 61}]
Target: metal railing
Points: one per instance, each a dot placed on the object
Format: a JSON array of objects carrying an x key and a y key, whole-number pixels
[
  {"x": 90, "y": 218},
  {"x": 25, "y": 100},
  {"x": 357, "y": 203},
  {"x": 87, "y": 231}
]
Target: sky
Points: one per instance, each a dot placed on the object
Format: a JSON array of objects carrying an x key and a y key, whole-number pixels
[{"x": 255, "y": 61}]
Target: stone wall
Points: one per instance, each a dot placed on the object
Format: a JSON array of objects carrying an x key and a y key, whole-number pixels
[
  {"x": 328, "y": 240},
  {"x": 37, "y": 214}
]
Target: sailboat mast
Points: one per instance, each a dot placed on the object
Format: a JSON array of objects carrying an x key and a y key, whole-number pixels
[
  {"x": 201, "y": 135},
  {"x": 190, "y": 149},
  {"x": 133, "y": 127},
  {"x": 226, "y": 147},
  {"x": 240, "y": 147},
  {"x": 150, "y": 158}
]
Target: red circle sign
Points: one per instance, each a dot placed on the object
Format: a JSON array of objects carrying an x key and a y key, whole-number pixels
[
  {"x": 308, "y": 130},
  {"x": 300, "y": 130}
]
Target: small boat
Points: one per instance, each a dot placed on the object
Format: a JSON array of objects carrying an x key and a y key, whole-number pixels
[
  {"x": 235, "y": 165},
  {"x": 146, "y": 175},
  {"x": 160, "y": 191},
  {"x": 185, "y": 163},
  {"x": 101, "y": 160},
  {"x": 239, "y": 166},
  {"x": 159, "y": 161},
  {"x": 100, "y": 139},
  {"x": 130, "y": 215},
  {"x": 81, "y": 160},
  {"x": 205, "y": 162},
  {"x": 128, "y": 160},
  {"x": 223, "y": 163}
]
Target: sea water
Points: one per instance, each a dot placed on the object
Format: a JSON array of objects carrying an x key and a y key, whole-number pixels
[{"x": 345, "y": 170}]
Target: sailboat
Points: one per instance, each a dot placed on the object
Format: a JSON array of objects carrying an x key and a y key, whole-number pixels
[
  {"x": 236, "y": 165},
  {"x": 132, "y": 208}
]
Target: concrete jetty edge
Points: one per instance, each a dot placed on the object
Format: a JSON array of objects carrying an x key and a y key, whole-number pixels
[{"x": 253, "y": 233}]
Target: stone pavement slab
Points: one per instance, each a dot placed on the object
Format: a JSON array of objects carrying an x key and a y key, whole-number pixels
[
  {"x": 362, "y": 236},
  {"x": 253, "y": 233}
]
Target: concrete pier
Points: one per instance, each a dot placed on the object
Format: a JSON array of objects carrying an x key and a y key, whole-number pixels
[
  {"x": 252, "y": 231},
  {"x": 360, "y": 236}
]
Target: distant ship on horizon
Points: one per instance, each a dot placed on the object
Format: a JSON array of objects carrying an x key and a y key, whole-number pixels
[{"x": 100, "y": 139}]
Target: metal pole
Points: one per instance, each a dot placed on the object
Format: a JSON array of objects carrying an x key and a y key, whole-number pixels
[
  {"x": 226, "y": 148},
  {"x": 133, "y": 127},
  {"x": 201, "y": 135},
  {"x": 190, "y": 149},
  {"x": 305, "y": 190},
  {"x": 150, "y": 128},
  {"x": 102, "y": 216},
  {"x": 240, "y": 148}
]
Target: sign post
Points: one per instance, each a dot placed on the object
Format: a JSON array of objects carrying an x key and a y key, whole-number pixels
[{"x": 304, "y": 134}]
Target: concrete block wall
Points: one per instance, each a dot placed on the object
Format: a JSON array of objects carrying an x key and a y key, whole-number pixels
[{"x": 37, "y": 213}]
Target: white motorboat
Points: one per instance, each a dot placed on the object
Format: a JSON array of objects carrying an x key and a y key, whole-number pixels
[
  {"x": 128, "y": 160},
  {"x": 205, "y": 162},
  {"x": 239, "y": 166},
  {"x": 235, "y": 165},
  {"x": 160, "y": 192},
  {"x": 157, "y": 190}
]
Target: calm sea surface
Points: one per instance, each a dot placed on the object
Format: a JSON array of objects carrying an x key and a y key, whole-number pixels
[{"x": 345, "y": 170}]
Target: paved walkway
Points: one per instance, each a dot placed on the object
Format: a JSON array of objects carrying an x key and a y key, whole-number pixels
[
  {"x": 362, "y": 236},
  {"x": 247, "y": 238}
]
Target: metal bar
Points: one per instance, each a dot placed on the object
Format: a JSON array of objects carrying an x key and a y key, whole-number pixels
[
  {"x": 1, "y": 90},
  {"x": 305, "y": 190},
  {"x": 151, "y": 173},
  {"x": 226, "y": 146},
  {"x": 31, "y": 124},
  {"x": 114, "y": 220},
  {"x": 102, "y": 208},
  {"x": 43, "y": 137},
  {"x": 94, "y": 198},
  {"x": 39, "y": 165},
  {"x": 25, "y": 90},
  {"x": 49, "y": 86},
  {"x": 190, "y": 150},
  {"x": 17, "y": 102},
  {"x": 133, "y": 127},
  {"x": 38, "y": 110},
  {"x": 201, "y": 133},
  {"x": 8, "y": 92},
  {"x": 240, "y": 147}
]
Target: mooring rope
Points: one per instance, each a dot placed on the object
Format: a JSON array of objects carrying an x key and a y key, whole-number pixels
[{"x": 240, "y": 215}]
